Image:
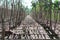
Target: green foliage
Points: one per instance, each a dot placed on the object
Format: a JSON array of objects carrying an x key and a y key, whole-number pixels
[
  {"x": 47, "y": 5},
  {"x": 33, "y": 4}
]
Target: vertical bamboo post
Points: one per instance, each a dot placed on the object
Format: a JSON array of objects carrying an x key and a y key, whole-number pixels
[{"x": 2, "y": 18}]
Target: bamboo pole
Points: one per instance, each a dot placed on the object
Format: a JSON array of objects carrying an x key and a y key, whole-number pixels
[
  {"x": 2, "y": 18},
  {"x": 50, "y": 12}
]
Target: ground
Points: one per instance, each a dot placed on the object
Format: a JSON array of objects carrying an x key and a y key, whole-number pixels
[{"x": 31, "y": 29}]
